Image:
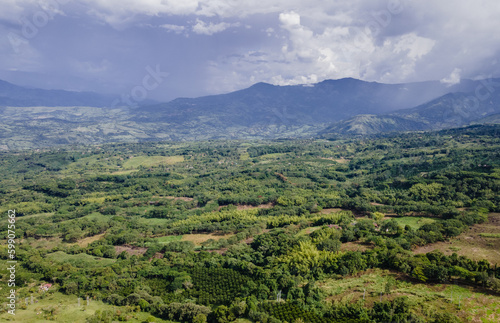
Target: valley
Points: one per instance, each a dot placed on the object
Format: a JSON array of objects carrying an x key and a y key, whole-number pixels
[{"x": 399, "y": 227}]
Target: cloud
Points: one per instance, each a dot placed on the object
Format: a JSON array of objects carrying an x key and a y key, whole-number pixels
[
  {"x": 173, "y": 28},
  {"x": 283, "y": 42},
  {"x": 290, "y": 19},
  {"x": 203, "y": 28},
  {"x": 453, "y": 78}
]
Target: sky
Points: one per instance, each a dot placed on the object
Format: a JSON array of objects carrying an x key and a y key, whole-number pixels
[{"x": 163, "y": 49}]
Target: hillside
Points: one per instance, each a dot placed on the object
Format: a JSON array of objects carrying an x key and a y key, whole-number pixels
[{"x": 450, "y": 110}]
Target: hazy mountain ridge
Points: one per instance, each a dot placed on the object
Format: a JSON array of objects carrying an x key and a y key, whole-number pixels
[
  {"x": 447, "y": 111},
  {"x": 260, "y": 111},
  {"x": 327, "y": 101},
  {"x": 12, "y": 95}
]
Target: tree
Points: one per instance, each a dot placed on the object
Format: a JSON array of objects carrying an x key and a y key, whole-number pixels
[
  {"x": 418, "y": 273},
  {"x": 377, "y": 216}
]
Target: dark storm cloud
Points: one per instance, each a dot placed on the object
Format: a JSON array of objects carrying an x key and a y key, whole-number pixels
[{"x": 222, "y": 45}]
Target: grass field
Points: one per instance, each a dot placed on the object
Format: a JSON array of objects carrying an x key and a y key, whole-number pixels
[
  {"x": 43, "y": 243},
  {"x": 468, "y": 304},
  {"x": 479, "y": 242},
  {"x": 198, "y": 239},
  {"x": 415, "y": 222},
  {"x": 490, "y": 235},
  {"x": 65, "y": 309},
  {"x": 150, "y": 161},
  {"x": 88, "y": 240},
  {"x": 167, "y": 239},
  {"x": 308, "y": 230}
]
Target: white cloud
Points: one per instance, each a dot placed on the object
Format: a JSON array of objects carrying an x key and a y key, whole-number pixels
[
  {"x": 453, "y": 78},
  {"x": 203, "y": 28},
  {"x": 299, "y": 41},
  {"x": 290, "y": 19},
  {"x": 173, "y": 28}
]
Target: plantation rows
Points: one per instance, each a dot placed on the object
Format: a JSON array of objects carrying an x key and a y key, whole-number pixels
[{"x": 217, "y": 285}]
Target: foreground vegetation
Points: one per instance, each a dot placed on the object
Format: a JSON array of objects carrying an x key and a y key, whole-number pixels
[{"x": 278, "y": 231}]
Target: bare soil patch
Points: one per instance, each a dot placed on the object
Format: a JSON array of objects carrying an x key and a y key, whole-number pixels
[
  {"x": 131, "y": 250},
  {"x": 470, "y": 243},
  {"x": 88, "y": 240},
  {"x": 354, "y": 246}
]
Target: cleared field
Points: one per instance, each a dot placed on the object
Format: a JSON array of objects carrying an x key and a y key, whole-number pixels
[
  {"x": 415, "y": 222},
  {"x": 354, "y": 246},
  {"x": 198, "y": 239},
  {"x": 149, "y": 161},
  {"x": 465, "y": 302},
  {"x": 43, "y": 243},
  {"x": 65, "y": 309},
  {"x": 308, "y": 230},
  {"x": 131, "y": 250},
  {"x": 88, "y": 240},
  {"x": 476, "y": 243},
  {"x": 168, "y": 239},
  {"x": 330, "y": 210}
]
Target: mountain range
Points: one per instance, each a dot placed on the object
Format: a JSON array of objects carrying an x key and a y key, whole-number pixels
[
  {"x": 325, "y": 102},
  {"x": 32, "y": 118}
]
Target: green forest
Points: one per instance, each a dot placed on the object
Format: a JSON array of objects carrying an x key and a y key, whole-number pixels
[{"x": 390, "y": 228}]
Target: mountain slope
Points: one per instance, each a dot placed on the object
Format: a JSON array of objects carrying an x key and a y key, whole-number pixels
[
  {"x": 321, "y": 103},
  {"x": 447, "y": 111},
  {"x": 491, "y": 119},
  {"x": 18, "y": 96}
]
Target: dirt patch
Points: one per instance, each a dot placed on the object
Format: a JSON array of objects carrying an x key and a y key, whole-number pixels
[
  {"x": 330, "y": 210},
  {"x": 88, "y": 240},
  {"x": 470, "y": 243},
  {"x": 355, "y": 246},
  {"x": 281, "y": 177},
  {"x": 157, "y": 255},
  {"x": 131, "y": 250}
]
